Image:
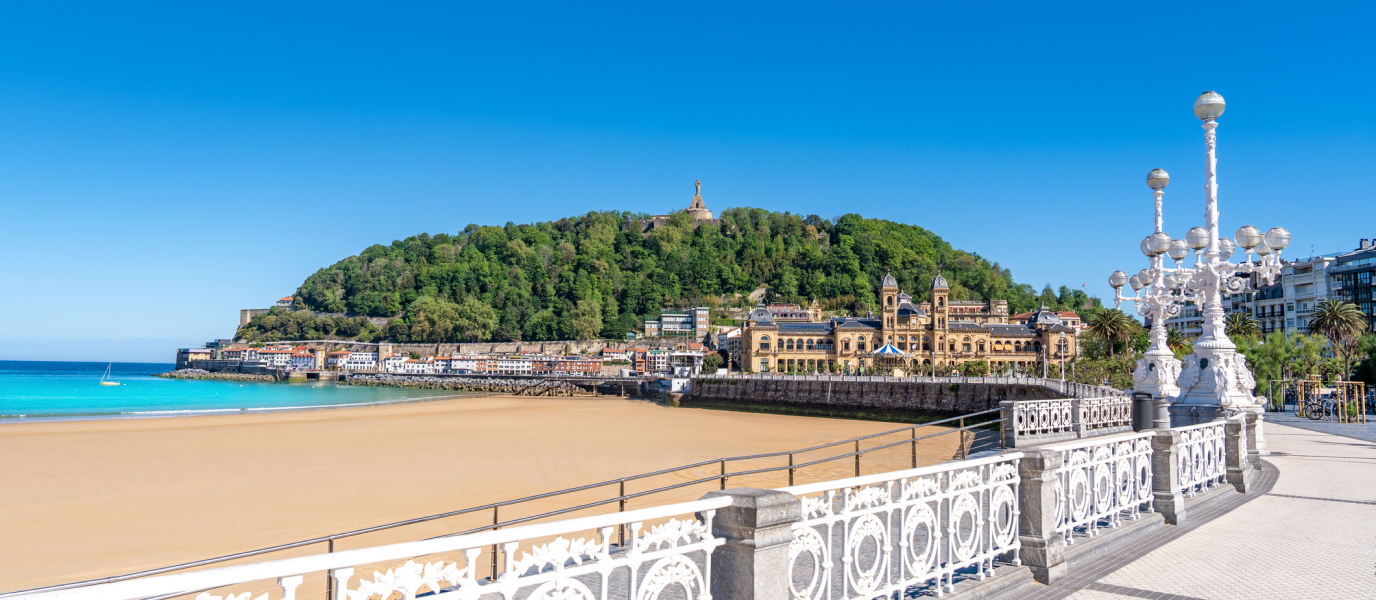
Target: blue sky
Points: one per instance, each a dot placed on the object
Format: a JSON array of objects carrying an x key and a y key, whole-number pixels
[{"x": 163, "y": 166}]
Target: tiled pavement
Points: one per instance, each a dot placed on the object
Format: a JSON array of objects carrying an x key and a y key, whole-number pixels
[
  {"x": 1312, "y": 534},
  {"x": 1361, "y": 431}
]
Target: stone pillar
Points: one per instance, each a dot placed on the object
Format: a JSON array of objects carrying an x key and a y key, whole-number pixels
[
  {"x": 758, "y": 527},
  {"x": 1255, "y": 445},
  {"x": 1165, "y": 476},
  {"x": 1237, "y": 446},
  {"x": 1009, "y": 432},
  {"x": 1043, "y": 548}
]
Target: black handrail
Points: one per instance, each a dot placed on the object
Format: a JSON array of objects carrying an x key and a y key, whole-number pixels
[{"x": 496, "y": 525}]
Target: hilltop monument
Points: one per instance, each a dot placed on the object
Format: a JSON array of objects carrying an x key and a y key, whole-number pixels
[{"x": 696, "y": 209}]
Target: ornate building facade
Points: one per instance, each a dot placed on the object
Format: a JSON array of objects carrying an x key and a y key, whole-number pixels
[{"x": 940, "y": 336}]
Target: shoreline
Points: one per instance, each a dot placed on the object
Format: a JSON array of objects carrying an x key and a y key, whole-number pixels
[{"x": 211, "y": 412}]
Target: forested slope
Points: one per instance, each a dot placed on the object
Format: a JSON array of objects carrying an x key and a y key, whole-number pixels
[{"x": 593, "y": 276}]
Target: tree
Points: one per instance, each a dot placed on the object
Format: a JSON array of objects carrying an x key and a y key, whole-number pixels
[
  {"x": 475, "y": 321},
  {"x": 1343, "y": 323},
  {"x": 1111, "y": 325},
  {"x": 711, "y": 363},
  {"x": 1178, "y": 343},
  {"x": 1240, "y": 324}
]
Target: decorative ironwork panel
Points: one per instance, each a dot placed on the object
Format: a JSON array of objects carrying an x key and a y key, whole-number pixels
[
  {"x": 879, "y": 534},
  {"x": 1202, "y": 457},
  {"x": 1106, "y": 413},
  {"x": 1102, "y": 481},
  {"x": 1043, "y": 417}
]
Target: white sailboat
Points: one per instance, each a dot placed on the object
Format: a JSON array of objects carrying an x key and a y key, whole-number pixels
[{"x": 105, "y": 379}]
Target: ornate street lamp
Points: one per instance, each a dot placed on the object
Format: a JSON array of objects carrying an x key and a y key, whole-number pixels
[{"x": 1215, "y": 378}]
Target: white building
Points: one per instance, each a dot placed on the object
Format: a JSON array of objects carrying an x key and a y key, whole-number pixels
[
  {"x": 693, "y": 323},
  {"x": 422, "y": 366},
  {"x": 463, "y": 364},
  {"x": 730, "y": 341},
  {"x": 394, "y": 363},
  {"x": 515, "y": 365},
  {"x": 276, "y": 357},
  {"x": 361, "y": 361},
  {"x": 302, "y": 361},
  {"x": 1306, "y": 285}
]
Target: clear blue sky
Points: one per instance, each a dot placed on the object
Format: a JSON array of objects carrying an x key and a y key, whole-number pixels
[{"x": 162, "y": 167}]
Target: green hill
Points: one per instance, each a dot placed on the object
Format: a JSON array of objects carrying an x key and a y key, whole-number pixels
[{"x": 597, "y": 276}]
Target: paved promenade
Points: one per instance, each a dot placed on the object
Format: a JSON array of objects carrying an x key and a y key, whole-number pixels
[{"x": 1311, "y": 535}]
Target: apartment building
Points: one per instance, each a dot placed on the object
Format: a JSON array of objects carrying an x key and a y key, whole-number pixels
[{"x": 1351, "y": 278}]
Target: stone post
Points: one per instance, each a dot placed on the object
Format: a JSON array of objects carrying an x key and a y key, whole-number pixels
[
  {"x": 1043, "y": 548},
  {"x": 758, "y": 527},
  {"x": 1077, "y": 418},
  {"x": 1254, "y": 442},
  {"x": 1009, "y": 420},
  {"x": 1162, "y": 420},
  {"x": 1165, "y": 476},
  {"x": 1238, "y": 463}
]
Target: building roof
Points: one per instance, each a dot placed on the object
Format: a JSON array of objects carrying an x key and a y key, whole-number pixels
[
  {"x": 1044, "y": 317},
  {"x": 287, "y": 299},
  {"x": 909, "y": 309},
  {"x": 939, "y": 282},
  {"x": 889, "y": 281},
  {"x": 1010, "y": 330}
]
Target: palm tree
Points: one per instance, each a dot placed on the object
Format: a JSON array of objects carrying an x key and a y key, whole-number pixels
[
  {"x": 1178, "y": 343},
  {"x": 1343, "y": 324},
  {"x": 1240, "y": 324},
  {"x": 1111, "y": 325}
]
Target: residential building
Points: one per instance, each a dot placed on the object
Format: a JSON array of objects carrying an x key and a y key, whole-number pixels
[
  {"x": 186, "y": 355},
  {"x": 1069, "y": 318},
  {"x": 938, "y": 335},
  {"x": 285, "y": 302},
  {"x": 361, "y": 361},
  {"x": 693, "y": 323},
  {"x": 1352, "y": 277},
  {"x": 463, "y": 364},
  {"x": 786, "y": 313},
  {"x": 276, "y": 357},
  {"x": 419, "y": 366},
  {"x": 394, "y": 363},
  {"x": 302, "y": 360},
  {"x": 336, "y": 360},
  {"x": 515, "y": 365},
  {"x": 730, "y": 341}
]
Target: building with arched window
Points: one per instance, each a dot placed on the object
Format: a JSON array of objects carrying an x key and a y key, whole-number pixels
[{"x": 938, "y": 336}]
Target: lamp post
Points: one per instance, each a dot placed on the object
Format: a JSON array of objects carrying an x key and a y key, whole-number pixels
[
  {"x": 1060, "y": 349},
  {"x": 1215, "y": 378}
]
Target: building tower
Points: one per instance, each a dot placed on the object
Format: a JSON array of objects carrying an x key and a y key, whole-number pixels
[
  {"x": 940, "y": 311},
  {"x": 888, "y": 298}
]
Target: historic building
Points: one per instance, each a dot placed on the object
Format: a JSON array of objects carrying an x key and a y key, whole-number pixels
[
  {"x": 939, "y": 335},
  {"x": 696, "y": 209}
]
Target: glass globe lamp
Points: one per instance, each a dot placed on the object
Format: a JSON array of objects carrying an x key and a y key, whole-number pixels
[
  {"x": 1226, "y": 247},
  {"x": 1117, "y": 279},
  {"x": 1247, "y": 237},
  {"x": 1198, "y": 238},
  {"x": 1135, "y": 283},
  {"x": 1144, "y": 276},
  {"x": 1209, "y": 106},
  {"x": 1158, "y": 179},
  {"x": 1146, "y": 247},
  {"x": 1262, "y": 249},
  {"x": 1159, "y": 242},
  {"x": 1277, "y": 238},
  {"x": 1179, "y": 250}
]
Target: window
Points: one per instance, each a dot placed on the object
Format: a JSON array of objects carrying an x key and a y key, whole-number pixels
[
  {"x": 890, "y": 300},
  {"x": 981, "y": 346},
  {"x": 940, "y": 301},
  {"x": 845, "y": 345},
  {"x": 764, "y": 342},
  {"x": 764, "y": 365},
  {"x": 790, "y": 344},
  {"x": 809, "y": 345},
  {"x": 902, "y": 346},
  {"x": 830, "y": 346}
]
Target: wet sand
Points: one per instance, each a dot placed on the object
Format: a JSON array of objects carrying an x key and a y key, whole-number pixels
[{"x": 84, "y": 499}]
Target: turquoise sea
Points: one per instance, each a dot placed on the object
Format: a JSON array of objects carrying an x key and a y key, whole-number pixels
[{"x": 47, "y": 390}]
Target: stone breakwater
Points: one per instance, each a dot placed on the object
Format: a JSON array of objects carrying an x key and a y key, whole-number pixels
[
  {"x": 203, "y": 374},
  {"x": 896, "y": 398},
  {"x": 476, "y": 384}
]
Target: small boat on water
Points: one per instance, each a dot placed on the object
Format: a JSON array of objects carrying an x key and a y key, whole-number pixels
[{"x": 105, "y": 379}]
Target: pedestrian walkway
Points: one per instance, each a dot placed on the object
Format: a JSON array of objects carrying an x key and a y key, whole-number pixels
[
  {"x": 1312, "y": 534},
  {"x": 1361, "y": 431}
]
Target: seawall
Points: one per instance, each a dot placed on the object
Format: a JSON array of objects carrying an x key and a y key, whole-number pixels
[
  {"x": 221, "y": 376},
  {"x": 827, "y": 398}
]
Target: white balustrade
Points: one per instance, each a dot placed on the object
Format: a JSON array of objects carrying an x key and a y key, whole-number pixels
[
  {"x": 672, "y": 556},
  {"x": 1100, "y": 481},
  {"x": 1043, "y": 417},
  {"x": 1203, "y": 449},
  {"x": 891, "y": 531}
]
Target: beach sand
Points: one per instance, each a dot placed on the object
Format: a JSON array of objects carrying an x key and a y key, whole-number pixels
[{"x": 85, "y": 499}]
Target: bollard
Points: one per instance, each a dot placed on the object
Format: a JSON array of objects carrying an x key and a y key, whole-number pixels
[{"x": 758, "y": 527}]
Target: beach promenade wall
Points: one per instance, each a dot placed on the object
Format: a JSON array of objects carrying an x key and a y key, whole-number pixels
[{"x": 890, "y": 397}]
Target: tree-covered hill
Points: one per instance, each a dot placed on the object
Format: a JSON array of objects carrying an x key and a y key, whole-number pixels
[{"x": 596, "y": 276}]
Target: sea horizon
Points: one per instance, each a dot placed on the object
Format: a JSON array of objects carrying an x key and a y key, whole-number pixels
[{"x": 33, "y": 391}]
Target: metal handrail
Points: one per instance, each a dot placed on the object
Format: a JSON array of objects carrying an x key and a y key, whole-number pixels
[{"x": 621, "y": 498}]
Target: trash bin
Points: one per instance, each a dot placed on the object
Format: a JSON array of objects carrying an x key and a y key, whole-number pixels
[{"x": 1142, "y": 411}]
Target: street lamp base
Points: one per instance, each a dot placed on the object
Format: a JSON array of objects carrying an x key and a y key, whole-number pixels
[{"x": 1157, "y": 375}]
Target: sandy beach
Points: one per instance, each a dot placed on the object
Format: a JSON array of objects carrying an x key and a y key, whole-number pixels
[{"x": 83, "y": 499}]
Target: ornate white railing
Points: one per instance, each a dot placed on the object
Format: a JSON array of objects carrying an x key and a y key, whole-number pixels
[
  {"x": 1203, "y": 449},
  {"x": 1112, "y": 413},
  {"x": 1034, "y": 422},
  {"x": 672, "y": 555},
  {"x": 1102, "y": 480},
  {"x": 892, "y": 531},
  {"x": 1043, "y": 418}
]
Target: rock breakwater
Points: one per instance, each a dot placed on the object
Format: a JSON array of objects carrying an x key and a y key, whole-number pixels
[{"x": 203, "y": 374}]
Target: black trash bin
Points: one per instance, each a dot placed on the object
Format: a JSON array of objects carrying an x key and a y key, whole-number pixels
[{"x": 1142, "y": 411}]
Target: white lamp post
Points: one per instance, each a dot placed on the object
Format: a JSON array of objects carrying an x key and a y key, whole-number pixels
[{"x": 1215, "y": 378}]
